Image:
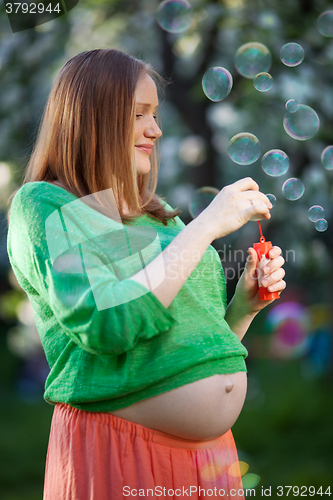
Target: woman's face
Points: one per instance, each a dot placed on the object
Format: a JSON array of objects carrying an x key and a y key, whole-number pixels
[{"x": 146, "y": 130}]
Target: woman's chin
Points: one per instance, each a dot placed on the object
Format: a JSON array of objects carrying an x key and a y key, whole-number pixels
[{"x": 143, "y": 169}]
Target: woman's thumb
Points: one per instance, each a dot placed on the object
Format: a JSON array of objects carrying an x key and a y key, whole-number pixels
[{"x": 251, "y": 261}]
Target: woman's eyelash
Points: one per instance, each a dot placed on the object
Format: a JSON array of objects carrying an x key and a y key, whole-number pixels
[{"x": 154, "y": 116}]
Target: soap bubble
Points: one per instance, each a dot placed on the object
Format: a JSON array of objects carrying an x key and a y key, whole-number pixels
[
  {"x": 292, "y": 54},
  {"x": 263, "y": 82},
  {"x": 174, "y": 16},
  {"x": 200, "y": 200},
  {"x": 321, "y": 225},
  {"x": 327, "y": 158},
  {"x": 292, "y": 105},
  {"x": 293, "y": 189},
  {"x": 252, "y": 58},
  {"x": 272, "y": 199},
  {"x": 325, "y": 23},
  {"x": 275, "y": 162},
  {"x": 244, "y": 148},
  {"x": 217, "y": 83},
  {"x": 301, "y": 124},
  {"x": 289, "y": 323},
  {"x": 316, "y": 212}
]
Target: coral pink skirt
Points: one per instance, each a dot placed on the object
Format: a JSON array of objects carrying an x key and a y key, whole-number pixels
[{"x": 98, "y": 456}]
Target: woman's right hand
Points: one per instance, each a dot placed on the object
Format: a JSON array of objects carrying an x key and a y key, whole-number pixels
[{"x": 234, "y": 206}]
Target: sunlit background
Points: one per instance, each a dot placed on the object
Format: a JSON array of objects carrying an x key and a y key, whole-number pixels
[{"x": 250, "y": 94}]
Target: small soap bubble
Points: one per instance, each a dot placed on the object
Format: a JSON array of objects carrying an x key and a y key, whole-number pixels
[
  {"x": 174, "y": 16},
  {"x": 327, "y": 158},
  {"x": 292, "y": 105},
  {"x": 321, "y": 225},
  {"x": 302, "y": 124},
  {"x": 325, "y": 23},
  {"x": 252, "y": 58},
  {"x": 263, "y": 82},
  {"x": 200, "y": 200},
  {"x": 272, "y": 199},
  {"x": 275, "y": 162},
  {"x": 316, "y": 212},
  {"x": 293, "y": 189},
  {"x": 217, "y": 83},
  {"x": 244, "y": 148},
  {"x": 292, "y": 54}
]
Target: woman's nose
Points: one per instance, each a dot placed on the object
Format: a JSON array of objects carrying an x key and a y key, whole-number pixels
[{"x": 153, "y": 131}]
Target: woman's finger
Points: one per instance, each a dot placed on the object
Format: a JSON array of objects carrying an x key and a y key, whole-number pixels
[
  {"x": 277, "y": 287},
  {"x": 274, "y": 264},
  {"x": 274, "y": 277},
  {"x": 274, "y": 252}
]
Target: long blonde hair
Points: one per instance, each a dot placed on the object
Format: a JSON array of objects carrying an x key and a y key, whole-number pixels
[{"x": 86, "y": 135}]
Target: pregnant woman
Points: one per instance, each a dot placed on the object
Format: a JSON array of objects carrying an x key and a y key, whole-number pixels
[{"x": 147, "y": 370}]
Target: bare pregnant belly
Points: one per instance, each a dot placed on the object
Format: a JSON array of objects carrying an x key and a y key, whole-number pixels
[{"x": 202, "y": 410}]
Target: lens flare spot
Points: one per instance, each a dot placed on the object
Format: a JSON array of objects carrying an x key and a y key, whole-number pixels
[
  {"x": 211, "y": 472},
  {"x": 289, "y": 324},
  {"x": 238, "y": 467},
  {"x": 327, "y": 158},
  {"x": 263, "y": 82},
  {"x": 217, "y": 83},
  {"x": 293, "y": 189},
  {"x": 174, "y": 16},
  {"x": 275, "y": 162},
  {"x": 200, "y": 200},
  {"x": 250, "y": 481},
  {"x": 302, "y": 124},
  {"x": 292, "y": 54},
  {"x": 244, "y": 148},
  {"x": 252, "y": 58}
]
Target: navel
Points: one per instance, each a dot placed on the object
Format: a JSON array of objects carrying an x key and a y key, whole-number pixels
[{"x": 229, "y": 385}]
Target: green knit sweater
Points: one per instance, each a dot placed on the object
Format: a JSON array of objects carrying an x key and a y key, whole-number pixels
[{"x": 108, "y": 340}]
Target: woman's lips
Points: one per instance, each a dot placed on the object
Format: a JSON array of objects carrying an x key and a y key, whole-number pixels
[{"x": 145, "y": 148}]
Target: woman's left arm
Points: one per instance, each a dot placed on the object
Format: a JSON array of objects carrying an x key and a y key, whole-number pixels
[{"x": 245, "y": 303}]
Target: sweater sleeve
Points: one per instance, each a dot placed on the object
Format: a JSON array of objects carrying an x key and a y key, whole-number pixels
[{"x": 88, "y": 289}]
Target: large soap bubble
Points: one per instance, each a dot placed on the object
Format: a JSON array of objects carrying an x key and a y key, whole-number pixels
[
  {"x": 301, "y": 124},
  {"x": 316, "y": 212},
  {"x": 321, "y": 225},
  {"x": 244, "y": 148},
  {"x": 292, "y": 54},
  {"x": 263, "y": 82},
  {"x": 174, "y": 16},
  {"x": 275, "y": 162},
  {"x": 253, "y": 58},
  {"x": 292, "y": 105},
  {"x": 200, "y": 200},
  {"x": 217, "y": 83},
  {"x": 293, "y": 189},
  {"x": 327, "y": 158},
  {"x": 325, "y": 23}
]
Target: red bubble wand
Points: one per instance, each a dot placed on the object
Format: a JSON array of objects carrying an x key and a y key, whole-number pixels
[{"x": 262, "y": 250}]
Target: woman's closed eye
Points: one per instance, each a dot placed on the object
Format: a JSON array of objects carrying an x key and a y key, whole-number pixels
[{"x": 138, "y": 115}]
